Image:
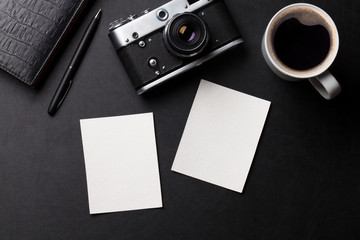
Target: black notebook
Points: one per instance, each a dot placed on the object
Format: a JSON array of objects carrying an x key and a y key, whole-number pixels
[{"x": 31, "y": 32}]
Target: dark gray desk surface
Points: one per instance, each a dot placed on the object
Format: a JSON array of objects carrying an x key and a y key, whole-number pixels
[{"x": 304, "y": 182}]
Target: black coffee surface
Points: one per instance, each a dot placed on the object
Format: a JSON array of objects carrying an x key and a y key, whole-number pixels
[{"x": 301, "y": 47}]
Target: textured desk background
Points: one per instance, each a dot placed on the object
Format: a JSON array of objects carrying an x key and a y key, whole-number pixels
[{"x": 304, "y": 181}]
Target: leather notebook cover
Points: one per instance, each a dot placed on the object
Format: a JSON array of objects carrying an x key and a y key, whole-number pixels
[{"x": 31, "y": 32}]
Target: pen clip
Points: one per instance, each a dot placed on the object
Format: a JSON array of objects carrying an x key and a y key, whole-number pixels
[{"x": 63, "y": 98}]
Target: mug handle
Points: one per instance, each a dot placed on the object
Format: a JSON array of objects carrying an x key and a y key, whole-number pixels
[{"x": 326, "y": 84}]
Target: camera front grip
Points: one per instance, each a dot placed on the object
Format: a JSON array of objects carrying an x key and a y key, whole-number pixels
[{"x": 326, "y": 84}]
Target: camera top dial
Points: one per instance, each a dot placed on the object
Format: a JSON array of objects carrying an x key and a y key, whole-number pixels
[{"x": 121, "y": 21}]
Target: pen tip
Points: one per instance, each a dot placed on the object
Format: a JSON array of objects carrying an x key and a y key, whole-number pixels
[{"x": 98, "y": 14}]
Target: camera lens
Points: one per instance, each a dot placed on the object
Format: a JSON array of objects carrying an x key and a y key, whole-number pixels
[{"x": 186, "y": 35}]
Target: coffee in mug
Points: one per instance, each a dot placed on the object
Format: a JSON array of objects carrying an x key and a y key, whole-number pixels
[{"x": 301, "y": 42}]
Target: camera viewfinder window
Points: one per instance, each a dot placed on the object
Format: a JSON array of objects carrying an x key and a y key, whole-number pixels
[{"x": 192, "y": 1}]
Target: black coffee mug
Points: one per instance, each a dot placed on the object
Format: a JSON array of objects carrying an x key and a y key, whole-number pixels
[{"x": 301, "y": 42}]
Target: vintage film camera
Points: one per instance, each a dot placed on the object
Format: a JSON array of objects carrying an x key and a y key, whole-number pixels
[{"x": 172, "y": 39}]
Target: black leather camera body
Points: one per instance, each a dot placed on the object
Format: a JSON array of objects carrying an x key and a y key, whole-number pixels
[{"x": 172, "y": 39}]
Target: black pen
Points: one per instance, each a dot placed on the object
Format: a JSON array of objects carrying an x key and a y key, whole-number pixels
[{"x": 67, "y": 79}]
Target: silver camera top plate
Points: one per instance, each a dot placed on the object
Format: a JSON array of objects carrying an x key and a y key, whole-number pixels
[{"x": 150, "y": 22}]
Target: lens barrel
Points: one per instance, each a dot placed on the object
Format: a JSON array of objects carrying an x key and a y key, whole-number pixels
[{"x": 185, "y": 35}]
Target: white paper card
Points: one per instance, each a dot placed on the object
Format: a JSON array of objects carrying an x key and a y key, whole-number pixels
[
  {"x": 121, "y": 163},
  {"x": 221, "y": 136}
]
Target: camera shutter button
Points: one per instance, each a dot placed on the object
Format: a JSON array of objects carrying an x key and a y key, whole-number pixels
[{"x": 146, "y": 11}]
